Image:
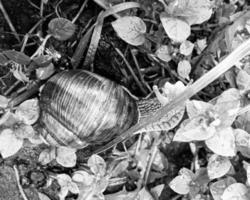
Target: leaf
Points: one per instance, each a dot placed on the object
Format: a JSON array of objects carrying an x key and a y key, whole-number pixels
[
  {"x": 66, "y": 156},
  {"x": 176, "y": 29},
  {"x": 227, "y": 106},
  {"x": 193, "y": 11},
  {"x": 3, "y": 101},
  {"x": 17, "y": 57},
  {"x": 184, "y": 69},
  {"x": 235, "y": 191},
  {"x": 218, "y": 166},
  {"x": 195, "y": 129},
  {"x": 186, "y": 48},
  {"x": 243, "y": 80},
  {"x": 223, "y": 142},
  {"x": 181, "y": 183},
  {"x": 242, "y": 141},
  {"x": 163, "y": 53},
  {"x": 157, "y": 190},
  {"x": 43, "y": 73},
  {"x": 61, "y": 28},
  {"x": 201, "y": 45},
  {"x": 9, "y": 144},
  {"x": 83, "y": 177},
  {"x": 42, "y": 196},
  {"x": 24, "y": 131},
  {"x": 46, "y": 156},
  {"x": 217, "y": 188},
  {"x": 173, "y": 90},
  {"x": 195, "y": 107},
  {"x": 97, "y": 165},
  {"x": 131, "y": 29},
  {"x": 28, "y": 111},
  {"x": 66, "y": 185},
  {"x": 144, "y": 195}
]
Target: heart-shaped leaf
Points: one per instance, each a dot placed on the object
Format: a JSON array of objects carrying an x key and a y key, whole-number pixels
[
  {"x": 236, "y": 191},
  {"x": 176, "y": 29},
  {"x": 131, "y": 29},
  {"x": 217, "y": 188},
  {"x": 9, "y": 144},
  {"x": 61, "y": 28},
  {"x": 218, "y": 166},
  {"x": 223, "y": 142},
  {"x": 184, "y": 68}
]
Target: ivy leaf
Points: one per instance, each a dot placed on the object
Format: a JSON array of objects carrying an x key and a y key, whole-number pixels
[
  {"x": 23, "y": 131},
  {"x": 157, "y": 190},
  {"x": 66, "y": 156},
  {"x": 195, "y": 129},
  {"x": 47, "y": 155},
  {"x": 17, "y": 57},
  {"x": 83, "y": 177},
  {"x": 193, "y": 11},
  {"x": 176, "y": 29},
  {"x": 131, "y": 29},
  {"x": 223, "y": 142},
  {"x": 43, "y": 73},
  {"x": 97, "y": 165},
  {"x": 218, "y": 166},
  {"x": 217, "y": 188},
  {"x": 242, "y": 141},
  {"x": 196, "y": 107},
  {"x": 186, "y": 48},
  {"x": 28, "y": 111},
  {"x": 243, "y": 80},
  {"x": 43, "y": 196},
  {"x": 163, "y": 53},
  {"x": 227, "y": 106},
  {"x": 236, "y": 191},
  {"x": 66, "y": 185},
  {"x": 201, "y": 44},
  {"x": 184, "y": 69},
  {"x": 9, "y": 144},
  {"x": 181, "y": 183},
  {"x": 61, "y": 28}
]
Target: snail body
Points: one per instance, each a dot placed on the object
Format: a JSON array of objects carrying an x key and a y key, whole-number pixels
[{"x": 79, "y": 108}]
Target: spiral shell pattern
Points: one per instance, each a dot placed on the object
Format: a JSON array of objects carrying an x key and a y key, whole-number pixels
[{"x": 79, "y": 108}]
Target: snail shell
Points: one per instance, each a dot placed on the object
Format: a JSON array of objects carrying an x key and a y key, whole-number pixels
[{"x": 80, "y": 108}]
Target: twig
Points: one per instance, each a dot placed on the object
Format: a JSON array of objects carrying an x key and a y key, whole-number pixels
[
  {"x": 6, "y": 16},
  {"x": 34, "y": 5},
  {"x": 18, "y": 183},
  {"x": 131, "y": 71},
  {"x": 239, "y": 53},
  {"x": 80, "y": 11}
]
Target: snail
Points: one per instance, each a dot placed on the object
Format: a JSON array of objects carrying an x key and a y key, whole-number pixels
[{"x": 79, "y": 108}]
